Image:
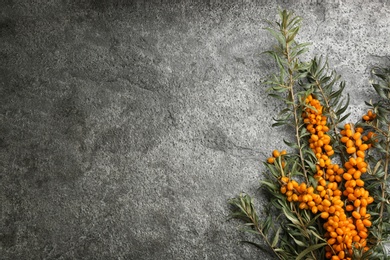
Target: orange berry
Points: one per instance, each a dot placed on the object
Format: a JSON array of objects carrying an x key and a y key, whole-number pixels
[
  {"x": 359, "y": 129},
  {"x": 330, "y": 153},
  {"x": 351, "y": 197},
  {"x": 363, "y": 147},
  {"x": 351, "y": 170},
  {"x": 302, "y": 187},
  {"x": 320, "y": 188},
  {"x": 348, "y": 165},
  {"x": 347, "y": 176},
  {"x": 356, "y": 135},
  {"x": 356, "y": 215},
  {"x": 360, "y": 182},
  {"x": 271, "y": 160},
  {"x": 338, "y": 178},
  {"x": 322, "y": 182},
  {"x": 337, "y": 192},
  {"x": 325, "y": 128},
  {"x": 352, "y": 161},
  {"x": 357, "y": 192},
  {"x": 363, "y": 211},
  {"x": 367, "y": 223},
  {"x": 339, "y": 231},
  {"x": 361, "y": 164},
  {"x": 363, "y": 234},
  {"x": 314, "y": 138},
  {"x": 284, "y": 179},
  {"x": 324, "y": 215},
  {"x": 351, "y": 150},
  {"x": 326, "y": 203},
  {"x": 370, "y": 200},
  {"x": 328, "y": 148},
  {"x": 276, "y": 153},
  {"x": 356, "y": 203},
  {"x": 347, "y": 191},
  {"x": 302, "y": 205},
  {"x": 338, "y": 248}
]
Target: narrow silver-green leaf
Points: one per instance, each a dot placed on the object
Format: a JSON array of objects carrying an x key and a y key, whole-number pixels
[{"x": 310, "y": 249}]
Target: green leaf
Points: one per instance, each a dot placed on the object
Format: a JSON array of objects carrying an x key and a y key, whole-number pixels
[
  {"x": 278, "y": 36},
  {"x": 310, "y": 249},
  {"x": 290, "y": 216},
  {"x": 311, "y": 165},
  {"x": 344, "y": 108},
  {"x": 276, "y": 237},
  {"x": 344, "y": 117},
  {"x": 292, "y": 34},
  {"x": 255, "y": 244},
  {"x": 270, "y": 185},
  {"x": 380, "y": 90},
  {"x": 274, "y": 95},
  {"x": 290, "y": 144}
]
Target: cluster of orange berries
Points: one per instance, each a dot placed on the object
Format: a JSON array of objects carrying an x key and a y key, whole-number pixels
[
  {"x": 351, "y": 230},
  {"x": 369, "y": 116},
  {"x": 275, "y": 155},
  {"x": 343, "y": 230}
]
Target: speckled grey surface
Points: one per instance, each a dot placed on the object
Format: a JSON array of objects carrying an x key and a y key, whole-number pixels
[{"x": 126, "y": 125}]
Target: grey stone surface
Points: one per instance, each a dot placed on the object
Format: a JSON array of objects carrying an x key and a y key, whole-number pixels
[{"x": 126, "y": 125}]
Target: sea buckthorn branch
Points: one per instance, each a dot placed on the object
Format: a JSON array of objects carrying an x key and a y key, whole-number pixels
[
  {"x": 322, "y": 209},
  {"x": 343, "y": 232},
  {"x": 322, "y": 83},
  {"x": 377, "y": 124},
  {"x": 297, "y": 235},
  {"x": 244, "y": 209},
  {"x": 291, "y": 69}
]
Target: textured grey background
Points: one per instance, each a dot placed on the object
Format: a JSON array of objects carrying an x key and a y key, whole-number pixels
[{"x": 126, "y": 125}]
